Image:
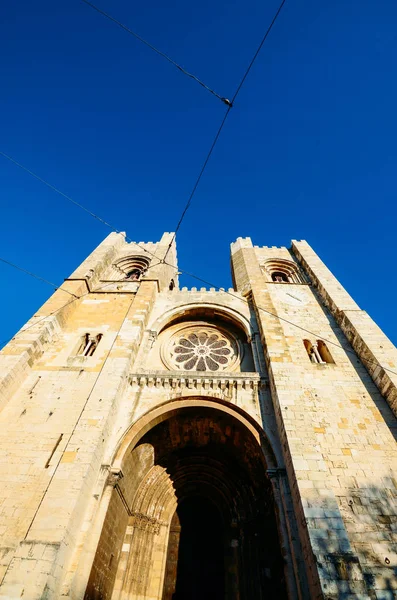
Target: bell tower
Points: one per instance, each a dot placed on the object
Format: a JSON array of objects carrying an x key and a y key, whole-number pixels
[
  {"x": 164, "y": 443},
  {"x": 333, "y": 375}
]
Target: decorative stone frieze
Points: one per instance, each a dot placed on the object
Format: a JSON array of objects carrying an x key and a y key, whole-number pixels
[{"x": 187, "y": 380}]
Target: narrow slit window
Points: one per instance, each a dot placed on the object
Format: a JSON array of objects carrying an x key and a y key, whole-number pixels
[
  {"x": 89, "y": 344},
  {"x": 324, "y": 353},
  {"x": 318, "y": 352},
  {"x": 314, "y": 356}
]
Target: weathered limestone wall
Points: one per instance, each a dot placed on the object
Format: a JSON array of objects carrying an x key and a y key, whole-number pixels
[
  {"x": 58, "y": 411},
  {"x": 368, "y": 340},
  {"x": 63, "y": 417},
  {"x": 151, "y": 386},
  {"x": 336, "y": 430}
]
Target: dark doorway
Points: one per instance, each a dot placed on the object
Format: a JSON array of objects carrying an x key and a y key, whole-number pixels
[{"x": 200, "y": 570}]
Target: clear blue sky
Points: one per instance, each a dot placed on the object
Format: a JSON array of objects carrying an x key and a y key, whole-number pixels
[{"x": 308, "y": 152}]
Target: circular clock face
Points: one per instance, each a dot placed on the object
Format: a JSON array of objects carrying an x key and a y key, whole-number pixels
[{"x": 294, "y": 297}]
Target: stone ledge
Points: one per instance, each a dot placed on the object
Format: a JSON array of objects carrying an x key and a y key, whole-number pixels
[{"x": 186, "y": 379}]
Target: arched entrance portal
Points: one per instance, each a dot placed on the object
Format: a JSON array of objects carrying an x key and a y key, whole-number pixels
[{"x": 193, "y": 516}]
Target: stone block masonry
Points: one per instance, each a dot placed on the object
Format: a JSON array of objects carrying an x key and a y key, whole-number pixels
[{"x": 72, "y": 465}]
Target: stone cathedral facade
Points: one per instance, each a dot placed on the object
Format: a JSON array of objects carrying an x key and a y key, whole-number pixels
[{"x": 159, "y": 443}]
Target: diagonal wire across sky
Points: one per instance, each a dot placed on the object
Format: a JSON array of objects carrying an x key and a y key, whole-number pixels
[{"x": 229, "y": 104}]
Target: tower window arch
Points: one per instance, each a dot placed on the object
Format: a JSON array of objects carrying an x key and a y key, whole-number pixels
[
  {"x": 88, "y": 344},
  {"x": 324, "y": 352},
  {"x": 318, "y": 352},
  {"x": 134, "y": 275},
  {"x": 279, "y": 277},
  {"x": 132, "y": 268},
  {"x": 282, "y": 271}
]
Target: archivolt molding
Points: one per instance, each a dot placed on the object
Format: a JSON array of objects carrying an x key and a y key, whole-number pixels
[
  {"x": 171, "y": 408},
  {"x": 168, "y": 317},
  {"x": 154, "y": 501},
  {"x": 120, "y": 268},
  {"x": 286, "y": 267}
]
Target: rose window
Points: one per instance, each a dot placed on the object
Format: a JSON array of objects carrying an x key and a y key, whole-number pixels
[{"x": 202, "y": 350}]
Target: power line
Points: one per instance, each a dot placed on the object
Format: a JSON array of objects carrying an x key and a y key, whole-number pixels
[
  {"x": 6, "y": 341},
  {"x": 51, "y": 314},
  {"x": 197, "y": 181},
  {"x": 149, "y": 252},
  {"x": 230, "y": 104},
  {"x": 347, "y": 350},
  {"x": 52, "y": 187},
  {"x": 78, "y": 420},
  {"x": 7, "y": 262},
  {"x": 210, "y": 284},
  {"x": 78, "y": 204},
  {"x": 161, "y": 261},
  {"x": 240, "y": 85},
  {"x": 141, "y": 39}
]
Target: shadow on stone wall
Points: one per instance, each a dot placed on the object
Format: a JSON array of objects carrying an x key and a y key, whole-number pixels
[
  {"x": 359, "y": 367},
  {"x": 354, "y": 540}
]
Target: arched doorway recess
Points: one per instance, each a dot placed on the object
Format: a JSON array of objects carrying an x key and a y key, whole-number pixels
[{"x": 192, "y": 517}]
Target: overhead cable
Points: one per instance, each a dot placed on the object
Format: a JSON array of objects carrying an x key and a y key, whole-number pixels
[
  {"x": 150, "y": 266},
  {"x": 210, "y": 284},
  {"x": 318, "y": 336},
  {"x": 141, "y": 39},
  {"x": 7, "y": 262},
  {"x": 230, "y": 104},
  {"x": 58, "y": 191},
  {"x": 51, "y": 314}
]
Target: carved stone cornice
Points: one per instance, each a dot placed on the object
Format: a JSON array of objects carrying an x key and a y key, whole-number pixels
[{"x": 172, "y": 380}]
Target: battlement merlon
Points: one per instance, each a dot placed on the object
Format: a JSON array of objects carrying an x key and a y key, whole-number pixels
[
  {"x": 247, "y": 260},
  {"x": 240, "y": 243},
  {"x": 115, "y": 246}
]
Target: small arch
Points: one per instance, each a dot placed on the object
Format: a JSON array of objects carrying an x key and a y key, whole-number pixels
[
  {"x": 279, "y": 270},
  {"x": 324, "y": 352},
  {"x": 134, "y": 275},
  {"x": 219, "y": 339},
  {"x": 172, "y": 285},
  {"x": 88, "y": 344},
  {"x": 318, "y": 352},
  {"x": 193, "y": 311},
  {"x": 310, "y": 351},
  {"x": 279, "y": 277},
  {"x": 133, "y": 268}
]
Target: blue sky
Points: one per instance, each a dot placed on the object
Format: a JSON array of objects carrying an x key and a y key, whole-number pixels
[{"x": 308, "y": 151}]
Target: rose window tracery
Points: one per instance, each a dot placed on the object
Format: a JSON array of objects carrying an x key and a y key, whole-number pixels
[{"x": 202, "y": 349}]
